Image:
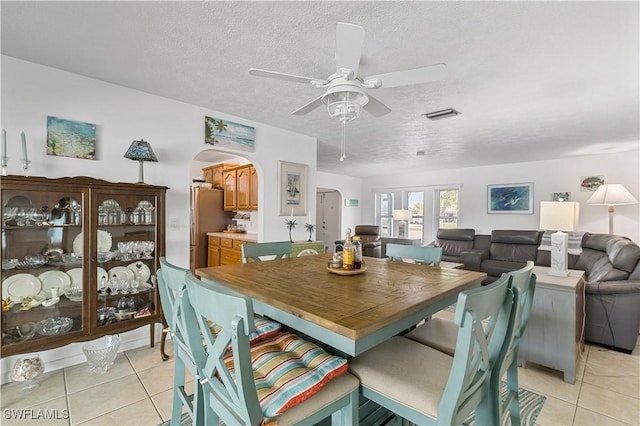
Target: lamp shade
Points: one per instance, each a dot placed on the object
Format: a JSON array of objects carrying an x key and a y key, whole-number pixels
[
  {"x": 612, "y": 194},
  {"x": 402, "y": 214},
  {"x": 140, "y": 151},
  {"x": 559, "y": 215}
]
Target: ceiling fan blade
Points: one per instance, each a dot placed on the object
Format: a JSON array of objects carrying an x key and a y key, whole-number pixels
[
  {"x": 308, "y": 107},
  {"x": 288, "y": 77},
  {"x": 375, "y": 107},
  {"x": 409, "y": 77},
  {"x": 349, "y": 41}
]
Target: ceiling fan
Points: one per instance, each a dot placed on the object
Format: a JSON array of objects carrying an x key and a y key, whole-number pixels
[{"x": 345, "y": 91}]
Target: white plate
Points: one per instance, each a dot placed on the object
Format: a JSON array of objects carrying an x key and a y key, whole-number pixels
[
  {"x": 76, "y": 277},
  {"x": 51, "y": 279},
  {"x": 104, "y": 242},
  {"x": 145, "y": 273},
  {"x": 122, "y": 273},
  {"x": 21, "y": 285}
]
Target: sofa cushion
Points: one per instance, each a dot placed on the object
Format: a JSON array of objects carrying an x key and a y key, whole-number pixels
[
  {"x": 514, "y": 252},
  {"x": 596, "y": 265},
  {"x": 453, "y": 248},
  {"x": 624, "y": 254},
  {"x": 459, "y": 234},
  {"x": 516, "y": 237},
  {"x": 495, "y": 268}
]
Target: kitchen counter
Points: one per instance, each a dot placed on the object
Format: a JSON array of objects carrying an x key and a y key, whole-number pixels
[{"x": 242, "y": 236}]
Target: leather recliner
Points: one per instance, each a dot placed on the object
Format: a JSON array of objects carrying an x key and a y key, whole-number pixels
[
  {"x": 370, "y": 237},
  {"x": 453, "y": 242}
]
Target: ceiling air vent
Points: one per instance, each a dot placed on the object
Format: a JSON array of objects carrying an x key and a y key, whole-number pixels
[{"x": 439, "y": 115}]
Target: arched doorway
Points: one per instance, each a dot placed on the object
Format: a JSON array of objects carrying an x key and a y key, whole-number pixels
[{"x": 207, "y": 208}]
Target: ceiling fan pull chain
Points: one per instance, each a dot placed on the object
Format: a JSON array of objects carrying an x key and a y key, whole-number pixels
[{"x": 343, "y": 144}]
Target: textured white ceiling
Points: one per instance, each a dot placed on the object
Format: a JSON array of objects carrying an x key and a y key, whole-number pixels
[{"x": 533, "y": 80}]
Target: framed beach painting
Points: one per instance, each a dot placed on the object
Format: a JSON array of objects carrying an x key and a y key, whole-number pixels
[
  {"x": 293, "y": 188},
  {"x": 69, "y": 138},
  {"x": 227, "y": 134},
  {"x": 513, "y": 198}
]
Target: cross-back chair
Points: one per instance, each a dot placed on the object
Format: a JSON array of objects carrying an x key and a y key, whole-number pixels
[
  {"x": 418, "y": 254},
  {"x": 171, "y": 282},
  {"x": 441, "y": 334},
  {"x": 274, "y": 250},
  {"x": 228, "y": 364},
  {"x": 425, "y": 386}
]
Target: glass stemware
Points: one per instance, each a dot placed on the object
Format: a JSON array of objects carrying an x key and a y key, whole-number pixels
[{"x": 26, "y": 370}]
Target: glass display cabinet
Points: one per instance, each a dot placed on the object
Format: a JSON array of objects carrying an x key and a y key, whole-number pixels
[{"x": 79, "y": 257}]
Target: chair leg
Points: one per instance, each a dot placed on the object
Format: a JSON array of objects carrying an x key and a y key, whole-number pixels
[
  {"x": 512, "y": 393},
  {"x": 178, "y": 388},
  {"x": 348, "y": 416}
]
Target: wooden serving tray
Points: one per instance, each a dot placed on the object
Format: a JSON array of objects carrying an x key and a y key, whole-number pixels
[{"x": 345, "y": 272}]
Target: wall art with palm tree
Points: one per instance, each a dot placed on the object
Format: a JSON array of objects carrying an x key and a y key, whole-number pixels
[{"x": 228, "y": 134}]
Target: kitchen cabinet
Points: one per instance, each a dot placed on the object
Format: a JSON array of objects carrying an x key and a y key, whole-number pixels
[
  {"x": 240, "y": 188},
  {"x": 213, "y": 251},
  {"x": 225, "y": 248},
  {"x": 95, "y": 243},
  {"x": 213, "y": 175},
  {"x": 230, "y": 191}
]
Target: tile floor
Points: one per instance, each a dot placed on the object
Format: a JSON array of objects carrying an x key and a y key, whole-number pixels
[{"x": 137, "y": 390}]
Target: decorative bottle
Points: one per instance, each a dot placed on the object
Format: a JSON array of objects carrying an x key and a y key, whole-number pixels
[
  {"x": 357, "y": 252},
  {"x": 348, "y": 254}
]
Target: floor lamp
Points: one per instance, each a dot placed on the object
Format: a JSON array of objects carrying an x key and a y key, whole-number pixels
[
  {"x": 612, "y": 194},
  {"x": 559, "y": 216}
]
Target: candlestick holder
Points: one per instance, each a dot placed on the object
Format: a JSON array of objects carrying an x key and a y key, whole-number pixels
[
  {"x": 309, "y": 227},
  {"x": 25, "y": 166},
  {"x": 290, "y": 224},
  {"x": 3, "y": 164}
]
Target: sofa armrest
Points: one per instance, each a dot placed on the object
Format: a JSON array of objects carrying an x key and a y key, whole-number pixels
[
  {"x": 473, "y": 258},
  {"x": 613, "y": 287}
]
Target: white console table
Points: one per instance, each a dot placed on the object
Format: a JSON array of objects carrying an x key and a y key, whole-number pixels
[{"x": 554, "y": 336}]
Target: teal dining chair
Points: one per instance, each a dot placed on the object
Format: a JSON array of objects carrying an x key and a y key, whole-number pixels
[
  {"x": 234, "y": 370},
  {"x": 428, "y": 387},
  {"x": 441, "y": 334},
  {"x": 171, "y": 281},
  {"x": 259, "y": 251},
  {"x": 417, "y": 254}
]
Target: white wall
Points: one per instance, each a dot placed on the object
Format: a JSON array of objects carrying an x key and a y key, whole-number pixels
[
  {"x": 31, "y": 92},
  {"x": 547, "y": 176}
]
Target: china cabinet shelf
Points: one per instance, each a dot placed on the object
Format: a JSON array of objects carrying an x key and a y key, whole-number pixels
[{"x": 58, "y": 222}]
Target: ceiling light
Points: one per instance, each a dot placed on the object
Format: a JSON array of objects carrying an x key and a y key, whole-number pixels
[
  {"x": 420, "y": 154},
  {"x": 439, "y": 115},
  {"x": 343, "y": 103}
]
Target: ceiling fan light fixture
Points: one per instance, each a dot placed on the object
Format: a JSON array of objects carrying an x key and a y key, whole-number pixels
[
  {"x": 344, "y": 102},
  {"x": 439, "y": 115}
]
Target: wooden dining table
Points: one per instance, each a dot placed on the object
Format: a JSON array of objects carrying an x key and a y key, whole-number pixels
[{"x": 351, "y": 313}]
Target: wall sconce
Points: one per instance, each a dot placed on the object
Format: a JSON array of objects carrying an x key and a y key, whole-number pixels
[{"x": 140, "y": 151}]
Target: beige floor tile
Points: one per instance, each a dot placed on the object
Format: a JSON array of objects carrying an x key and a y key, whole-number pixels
[
  {"x": 614, "y": 363},
  {"x": 556, "y": 412},
  {"x": 141, "y": 413},
  {"x": 147, "y": 357},
  {"x": 51, "y": 387},
  {"x": 102, "y": 399},
  {"x": 548, "y": 382},
  {"x": 612, "y": 404},
  {"x": 79, "y": 377},
  {"x": 157, "y": 378},
  {"x": 588, "y": 417},
  {"x": 52, "y": 412},
  {"x": 163, "y": 402}
]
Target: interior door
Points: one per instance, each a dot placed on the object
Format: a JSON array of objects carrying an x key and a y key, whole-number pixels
[{"x": 328, "y": 217}]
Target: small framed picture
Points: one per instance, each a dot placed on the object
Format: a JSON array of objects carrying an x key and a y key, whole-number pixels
[
  {"x": 591, "y": 183},
  {"x": 561, "y": 196},
  {"x": 513, "y": 198},
  {"x": 293, "y": 189}
]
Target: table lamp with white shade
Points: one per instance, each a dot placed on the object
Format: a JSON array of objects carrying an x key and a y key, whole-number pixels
[
  {"x": 402, "y": 216},
  {"x": 559, "y": 216},
  {"x": 612, "y": 194}
]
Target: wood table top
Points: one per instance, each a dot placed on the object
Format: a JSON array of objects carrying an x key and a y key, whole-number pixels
[{"x": 353, "y": 306}]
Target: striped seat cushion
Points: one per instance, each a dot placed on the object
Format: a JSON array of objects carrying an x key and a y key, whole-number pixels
[
  {"x": 265, "y": 328},
  {"x": 288, "y": 370}
]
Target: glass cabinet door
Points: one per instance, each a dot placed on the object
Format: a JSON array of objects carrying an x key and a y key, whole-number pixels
[
  {"x": 43, "y": 265},
  {"x": 126, "y": 257}
]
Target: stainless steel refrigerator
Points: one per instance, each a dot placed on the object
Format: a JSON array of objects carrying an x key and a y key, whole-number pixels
[{"x": 207, "y": 215}]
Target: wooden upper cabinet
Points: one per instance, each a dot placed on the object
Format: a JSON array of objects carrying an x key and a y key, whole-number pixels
[
  {"x": 253, "y": 188},
  {"x": 213, "y": 175},
  {"x": 230, "y": 191},
  {"x": 243, "y": 186}
]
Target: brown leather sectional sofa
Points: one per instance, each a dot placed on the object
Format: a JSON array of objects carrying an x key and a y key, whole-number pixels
[{"x": 612, "y": 273}]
